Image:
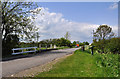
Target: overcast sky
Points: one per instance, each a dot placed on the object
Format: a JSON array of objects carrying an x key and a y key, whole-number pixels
[{"x": 77, "y": 18}]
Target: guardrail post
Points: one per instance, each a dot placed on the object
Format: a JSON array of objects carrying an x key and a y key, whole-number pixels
[
  {"x": 13, "y": 50},
  {"x": 40, "y": 47},
  {"x": 35, "y": 50},
  {"x": 50, "y": 45},
  {"x": 54, "y": 46},
  {"x": 22, "y": 51},
  {"x": 46, "y": 46}
]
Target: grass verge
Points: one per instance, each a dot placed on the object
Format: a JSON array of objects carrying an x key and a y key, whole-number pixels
[{"x": 83, "y": 64}]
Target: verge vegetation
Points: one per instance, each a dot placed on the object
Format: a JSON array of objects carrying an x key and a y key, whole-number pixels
[{"x": 83, "y": 64}]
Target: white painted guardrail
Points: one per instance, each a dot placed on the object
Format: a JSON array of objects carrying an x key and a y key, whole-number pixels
[{"x": 15, "y": 53}]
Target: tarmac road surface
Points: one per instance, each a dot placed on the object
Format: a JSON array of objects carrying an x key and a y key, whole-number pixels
[{"x": 17, "y": 65}]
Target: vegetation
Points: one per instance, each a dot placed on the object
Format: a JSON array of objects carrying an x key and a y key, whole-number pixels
[
  {"x": 58, "y": 42},
  {"x": 110, "y": 45},
  {"x": 104, "y": 62},
  {"x": 103, "y": 32},
  {"x": 63, "y": 47},
  {"x": 16, "y": 24},
  {"x": 80, "y": 43},
  {"x": 113, "y": 45},
  {"x": 83, "y": 64},
  {"x": 104, "y": 40}
]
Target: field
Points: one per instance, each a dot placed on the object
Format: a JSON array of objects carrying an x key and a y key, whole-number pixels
[{"x": 83, "y": 64}]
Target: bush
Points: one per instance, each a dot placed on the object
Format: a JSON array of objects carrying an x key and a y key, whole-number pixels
[
  {"x": 109, "y": 45},
  {"x": 100, "y": 46},
  {"x": 108, "y": 62},
  {"x": 114, "y": 45}
]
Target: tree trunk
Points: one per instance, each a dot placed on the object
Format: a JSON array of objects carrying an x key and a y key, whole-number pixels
[{"x": 5, "y": 36}]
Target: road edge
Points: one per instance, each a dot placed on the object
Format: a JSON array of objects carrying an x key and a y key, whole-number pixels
[{"x": 31, "y": 72}]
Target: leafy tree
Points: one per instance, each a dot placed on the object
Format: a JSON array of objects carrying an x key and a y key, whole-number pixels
[
  {"x": 43, "y": 43},
  {"x": 57, "y": 42},
  {"x": 16, "y": 21},
  {"x": 11, "y": 42},
  {"x": 86, "y": 43},
  {"x": 103, "y": 32},
  {"x": 74, "y": 43},
  {"x": 62, "y": 42},
  {"x": 68, "y": 43},
  {"x": 81, "y": 44}
]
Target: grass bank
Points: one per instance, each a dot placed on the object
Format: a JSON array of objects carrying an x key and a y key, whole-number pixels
[{"x": 83, "y": 64}]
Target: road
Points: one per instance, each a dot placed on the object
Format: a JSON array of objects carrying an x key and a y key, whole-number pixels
[{"x": 17, "y": 65}]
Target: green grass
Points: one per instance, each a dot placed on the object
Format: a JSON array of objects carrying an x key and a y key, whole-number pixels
[
  {"x": 63, "y": 47},
  {"x": 83, "y": 64}
]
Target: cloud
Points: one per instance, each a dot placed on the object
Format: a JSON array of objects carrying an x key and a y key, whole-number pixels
[
  {"x": 53, "y": 25},
  {"x": 114, "y": 6}
]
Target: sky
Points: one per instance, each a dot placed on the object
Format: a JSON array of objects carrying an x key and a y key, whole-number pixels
[{"x": 77, "y": 18}]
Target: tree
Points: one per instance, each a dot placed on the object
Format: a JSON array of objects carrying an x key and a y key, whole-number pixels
[
  {"x": 16, "y": 23},
  {"x": 103, "y": 32},
  {"x": 56, "y": 42},
  {"x": 64, "y": 42},
  {"x": 11, "y": 42},
  {"x": 74, "y": 43},
  {"x": 86, "y": 43},
  {"x": 67, "y": 35},
  {"x": 81, "y": 44},
  {"x": 15, "y": 19}
]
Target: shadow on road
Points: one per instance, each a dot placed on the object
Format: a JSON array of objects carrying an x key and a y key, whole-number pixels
[{"x": 42, "y": 52}]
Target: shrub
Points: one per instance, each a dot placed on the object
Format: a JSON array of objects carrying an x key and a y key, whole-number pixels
[
  {"x": 108, "y": 62},
  {"x": 110, "y": 45},
  {"x": 114, "y": 45}
]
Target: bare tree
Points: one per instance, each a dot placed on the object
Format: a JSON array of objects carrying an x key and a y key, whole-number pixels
[{"x": 67, "y": 35}]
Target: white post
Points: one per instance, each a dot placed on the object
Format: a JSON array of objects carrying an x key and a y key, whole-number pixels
[
  {"x": 50, "y": 45},
  {"x": 54, "y": 46},
  {"x": 22, "y": 51},
  {"x": 35, "y": 49},
  {"x": 46, "y": 46},
  {"x": 13, "y": 50},
  {"x": 40, "y": 46}
]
